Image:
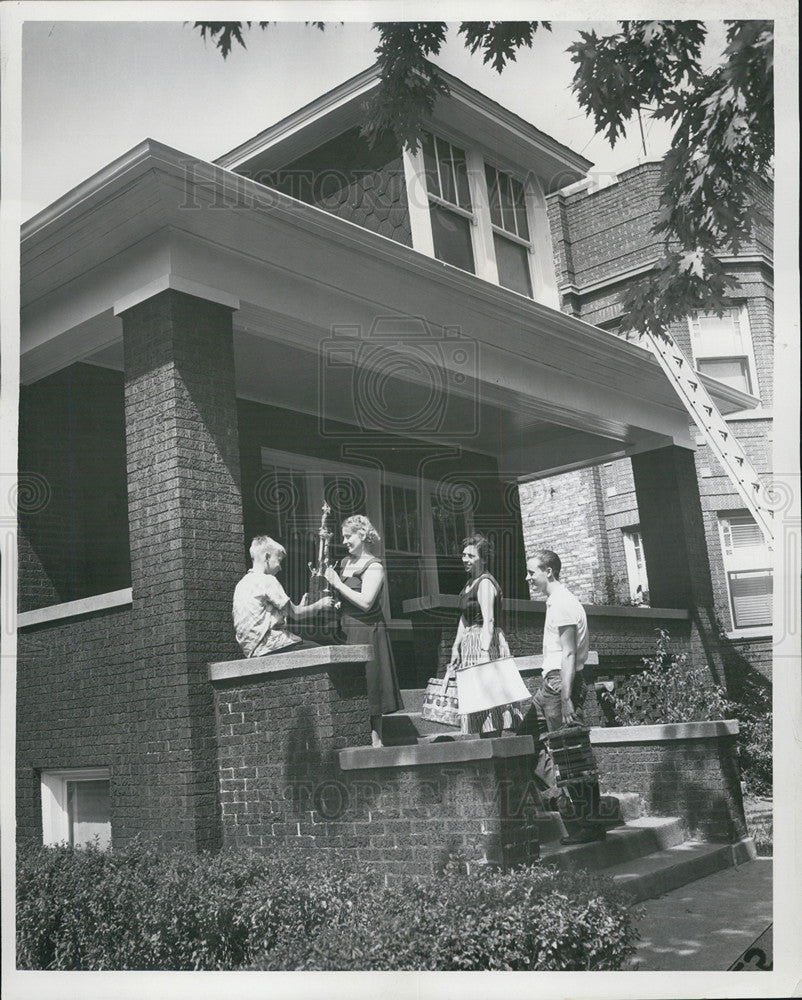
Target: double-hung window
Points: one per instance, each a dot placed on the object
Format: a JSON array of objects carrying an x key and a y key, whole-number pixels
[
  {"x": 722, "y": 347},
  {"x": 747, "y": 566},
  {"x": 450, "y": 206},
  {"x": 511, "y": 239}
]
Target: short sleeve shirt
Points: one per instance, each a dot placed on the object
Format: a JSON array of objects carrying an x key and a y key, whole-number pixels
[
  {"x": 259, "y": 614},
  {"x": 562, "y": 608}
]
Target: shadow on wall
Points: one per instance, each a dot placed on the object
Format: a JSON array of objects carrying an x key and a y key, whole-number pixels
[{"x": 710, "y": 814}]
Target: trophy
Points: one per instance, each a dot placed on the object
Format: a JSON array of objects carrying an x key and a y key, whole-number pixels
[
  {"x": 318, "y": 584},
  {"x": 325, "y": 626}
]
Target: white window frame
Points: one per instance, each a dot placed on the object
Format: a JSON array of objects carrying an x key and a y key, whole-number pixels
[
  {"x": 725, "y": 350},
  {"x": 55, "y": 813},
  {"x": 751, "y": 559},
  {"x": 636, "y": 575},
  {"x": 316, "y": 469},
  {"x": 539, "y": 251}
]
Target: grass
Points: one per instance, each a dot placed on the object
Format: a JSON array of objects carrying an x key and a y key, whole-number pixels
[{"x": 760, "y": 822}]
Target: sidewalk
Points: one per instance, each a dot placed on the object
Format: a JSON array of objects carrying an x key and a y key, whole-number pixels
[{"x": 706, "y": 925}]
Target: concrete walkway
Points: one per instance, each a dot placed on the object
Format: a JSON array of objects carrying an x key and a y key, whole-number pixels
[{"x": 706, "y": 925}]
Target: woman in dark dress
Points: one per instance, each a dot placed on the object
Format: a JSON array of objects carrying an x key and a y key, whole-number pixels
[{"x": 359, "y": 585}]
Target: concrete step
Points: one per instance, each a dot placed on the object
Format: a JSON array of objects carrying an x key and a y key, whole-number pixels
[
  {"x": 662, "y": 871},
  {"x": 412, "y": 699},
  {"x": 403, "y": 728},
  {"x": 636, "y": 839}
]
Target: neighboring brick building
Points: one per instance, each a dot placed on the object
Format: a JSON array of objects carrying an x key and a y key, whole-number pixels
[
  {"x": 205, "y": 357},
  {"x": 603, "y": 241}
]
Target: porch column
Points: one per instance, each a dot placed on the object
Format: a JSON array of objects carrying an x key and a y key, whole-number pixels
[
  {"x": 186, "y": 538},
  {"x": 672, "y": 529}
]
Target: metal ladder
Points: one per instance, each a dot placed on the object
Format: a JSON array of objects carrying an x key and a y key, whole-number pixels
[{"x": 715, "y": 431}]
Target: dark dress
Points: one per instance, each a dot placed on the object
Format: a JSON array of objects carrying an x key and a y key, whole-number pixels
[{"x": 369, "y": 627}]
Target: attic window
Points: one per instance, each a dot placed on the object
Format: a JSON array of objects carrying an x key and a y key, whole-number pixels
[
  {"x": 510, "y": 230},
  {"x": 449, "y": 202}
]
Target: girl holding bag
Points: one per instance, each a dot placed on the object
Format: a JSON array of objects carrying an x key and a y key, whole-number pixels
[{"x": 481, "y": 674}]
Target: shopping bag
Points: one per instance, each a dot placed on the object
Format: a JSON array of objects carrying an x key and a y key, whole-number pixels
[
  {"x": 440, "y": 702},
  {"x": 488, "y": 685}
]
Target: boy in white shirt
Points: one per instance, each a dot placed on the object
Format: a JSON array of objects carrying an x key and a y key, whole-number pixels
[
  {"x": 261, "y": 605},
  {"x": 558, "y": 703}
]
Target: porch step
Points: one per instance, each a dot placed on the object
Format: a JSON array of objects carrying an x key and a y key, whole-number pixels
[
  {"x": 627, "y": 843},
  {"x": 403, "y": 728},
  {"x": 662, "y": 871},
  {"x": 412, "y": 699}
]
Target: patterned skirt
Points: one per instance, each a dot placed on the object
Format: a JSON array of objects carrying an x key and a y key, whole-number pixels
[{"x": 470, "y": 652}]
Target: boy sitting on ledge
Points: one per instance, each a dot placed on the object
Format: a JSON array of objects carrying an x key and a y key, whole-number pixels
[{"x": 261, "y": 605}]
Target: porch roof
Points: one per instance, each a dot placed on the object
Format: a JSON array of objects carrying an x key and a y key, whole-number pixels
[{"x": 550, "y": 391}]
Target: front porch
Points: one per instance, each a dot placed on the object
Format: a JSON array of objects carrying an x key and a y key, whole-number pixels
[{"x": 204, "y": 359}]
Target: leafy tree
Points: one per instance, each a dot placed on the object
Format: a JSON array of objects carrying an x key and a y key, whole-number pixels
[{"x": 722, "y": 119}]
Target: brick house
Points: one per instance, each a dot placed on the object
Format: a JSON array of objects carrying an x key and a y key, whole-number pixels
[
  {"x": 603, "y": 240},
  {"x": 210, "y": 349}
]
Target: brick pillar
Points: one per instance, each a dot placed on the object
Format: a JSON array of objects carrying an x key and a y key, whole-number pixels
[
  {"x": 186, "y": 538},
  {"x": 674, "y": 546}
]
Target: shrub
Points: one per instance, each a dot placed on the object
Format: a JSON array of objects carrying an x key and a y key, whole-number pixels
[
  {"x": 137, "y": 908},
  {"x": 533, "y": 918},
  {"x": 756, "y": 751},
  {"x": 670, "y": 689}
]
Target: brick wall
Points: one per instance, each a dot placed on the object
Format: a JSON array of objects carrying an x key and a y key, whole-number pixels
[
  {"x": 279, "y": 738},
  {"x": 349, "y": 179},
  {"x": 597, "y": 236},
  {"x": 185, "y": 512},
  {"x": 128, "y": 689},
  {"x": 563, "y": 513},
  {"x": 73, "y": 516},
  {"x": 605, "y": 232},
  {"x": 695, "y": 779}
]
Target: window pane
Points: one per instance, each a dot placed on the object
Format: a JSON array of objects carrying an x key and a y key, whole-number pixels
[
  {"x": 520, "y": 209},
  {"x": 492, "y": 189},
  {"x": 448, "y": 188},
  {"x": 507, "y": 213},
  {"x": 513, "y": 265},
  {"x": 89, "y": 812},
  {"x": 731, "y": 371},
  {"x": 461, "y": 171},
  {"x": 452, "y": 238},
  {"x": 430, "y": 165},
  {"x": 751, "y": 598}
]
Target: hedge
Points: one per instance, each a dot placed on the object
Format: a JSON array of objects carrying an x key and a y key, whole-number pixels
[{"x": 141, "y": 908}]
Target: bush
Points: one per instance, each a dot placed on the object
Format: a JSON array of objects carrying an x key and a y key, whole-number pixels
[
  {"x": 533, "y": 918},
  {"x": 139, "y": 908},
  {"x": 670, "y": 689},
  {"x": 756, "y": 751},
  {"x": 135, "y": 908}
]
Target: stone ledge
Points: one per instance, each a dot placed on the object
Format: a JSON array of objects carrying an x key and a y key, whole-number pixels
[
  {"x": 669, "y": 731},
  {"x": 458, "y": 751},
  {"x": 450, "y": 602},
  {"x": 297, "y": 659},
  {"x": 75, "y": 609},
  {"x": 534, "y": 664}
]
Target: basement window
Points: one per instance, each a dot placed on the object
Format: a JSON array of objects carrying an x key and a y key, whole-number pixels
[{"x": 76, "y": 807}]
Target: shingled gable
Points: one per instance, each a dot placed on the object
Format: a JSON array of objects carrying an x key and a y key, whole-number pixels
[{"x": 465, "y": 111}]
